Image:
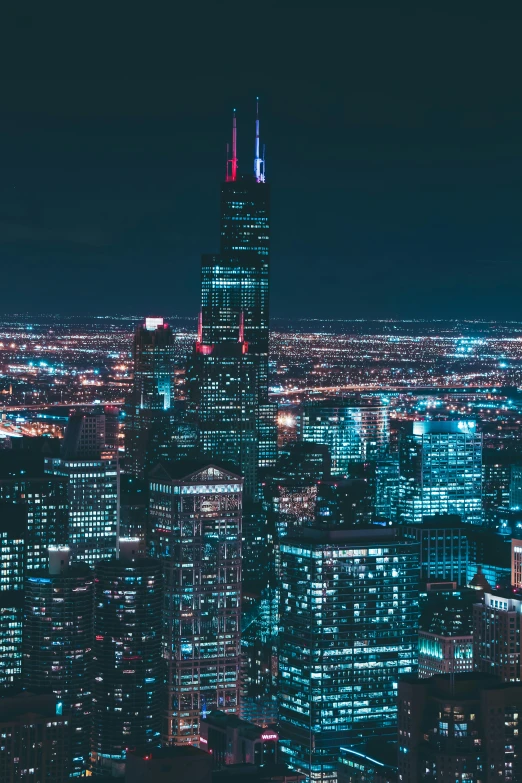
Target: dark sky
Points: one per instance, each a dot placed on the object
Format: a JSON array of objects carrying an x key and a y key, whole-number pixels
[{"x": 394, "y": 150}]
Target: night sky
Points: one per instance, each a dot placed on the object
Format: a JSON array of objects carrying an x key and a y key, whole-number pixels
[{"x": 394, "y": 152}]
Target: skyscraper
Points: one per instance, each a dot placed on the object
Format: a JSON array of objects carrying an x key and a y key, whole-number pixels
[
  {"x": 195, "y": 527},
  {"x": 13, "y": 531},
  {"x": 441, "y": 471},
  {"x": 148, "y": 434},
  {"x": 45, "y": 501},
  {"x": 354, "y": 430},
  {"x": 128, "y": 663},
  {"x": 90, "y": 467},
  {"x": 58, "y": 641},
  {"x": 231, "y": 364},
  {"x": 348, "y": 629},
  {"x": 497, "y": 634}
]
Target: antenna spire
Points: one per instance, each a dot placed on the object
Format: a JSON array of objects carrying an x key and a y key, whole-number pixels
[
  {"x": 259, "y": 163},
  {"x": 232, "y": 162}
]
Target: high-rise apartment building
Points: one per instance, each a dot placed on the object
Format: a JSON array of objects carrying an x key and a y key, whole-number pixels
[
  {"x": 13, "y": 531},
  {"x": 195, "y": 528},
  {"x": 441, "y": 471},
  {"x": 231, "y": 360},
  {"x": 464, "y": 727},
  {"x": 353, "y": 430},
  {"x": 348, "y": 629},
  {"x": 58, "y": 642},
  {"x": 128, "y": 661},
  {"x": 148, "y": 426}
]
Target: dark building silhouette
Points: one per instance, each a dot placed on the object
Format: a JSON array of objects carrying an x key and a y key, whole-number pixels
[
  {"x": 128, "y": 663},
  {"x": 35, "y": 734},
  {"x": 462, "y": 727},
  {"x": 58, "y": 644},
  {"x": 148, "y": 435}
]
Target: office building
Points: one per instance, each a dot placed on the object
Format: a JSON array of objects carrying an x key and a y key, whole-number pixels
[
  {"x": 497, "y": 634},
  {"x": 440, "y": 464},
  {"x": 195, "y": 527},
  {"x": 387, "y": 487},
  {"x": 231, "y": 740},
  {"x": 58, "y": 643},
  {"x": 464, "y": 727},
  {"x": 128, "y": 662},
  {"x": 496, "y": 479},
  {"x": 348, "y": 502},
  {"x": 303, "y": 462},
  {"x": 148, "y": 435},
  {"x": 354, "y": 430},
  {"x": 444, "y": 548},
  {"x": 45, "y": 502},
  {"x": 446, "y": 630},
  {"x": 13, "y": 531},
  {"x": 35, "y": 739},
  {"x": 89, "y": 466},
  {"x": 348, "y": 629}
]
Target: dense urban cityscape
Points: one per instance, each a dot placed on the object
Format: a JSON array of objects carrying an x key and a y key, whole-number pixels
[{"x": 236, "y": 548}]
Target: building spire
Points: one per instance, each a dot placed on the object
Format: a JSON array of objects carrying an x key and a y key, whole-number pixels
[
  {"x": 232, "y": 162},
  {"x": 259, "y": 163}
]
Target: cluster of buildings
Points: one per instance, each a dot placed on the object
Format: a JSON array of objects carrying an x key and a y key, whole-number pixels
[{"x": 216, "y": 606}]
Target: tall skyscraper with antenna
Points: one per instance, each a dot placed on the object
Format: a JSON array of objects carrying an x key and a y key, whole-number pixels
[{"x": 237, "y": 421}]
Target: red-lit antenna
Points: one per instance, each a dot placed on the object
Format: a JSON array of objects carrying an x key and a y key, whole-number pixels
[
  {"x": 232, "y": 162},
  {"x": 200, "y": 327}
]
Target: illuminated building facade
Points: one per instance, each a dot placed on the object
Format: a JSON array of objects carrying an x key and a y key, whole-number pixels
[
  {"x": 354, "y": 431},
  {"x": 148, "y": 431},
  {"x": 128, "y": 662},
  {"x": 13, "y": 530},
  {"x": 35, "y": 739},
  {"x": 441, "y": 471},
  {"x": 45, "y": 501},
  {"x": 195, "y": 527},
  {"x": 92, "y": 496},
  {"x": 497, "y": 635},
  {"x": 58, "y": 643},
  {"x": 348, "y": 630},
  {"x": 464, "y": 727},
  {"x": 446, "y": 631}
]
